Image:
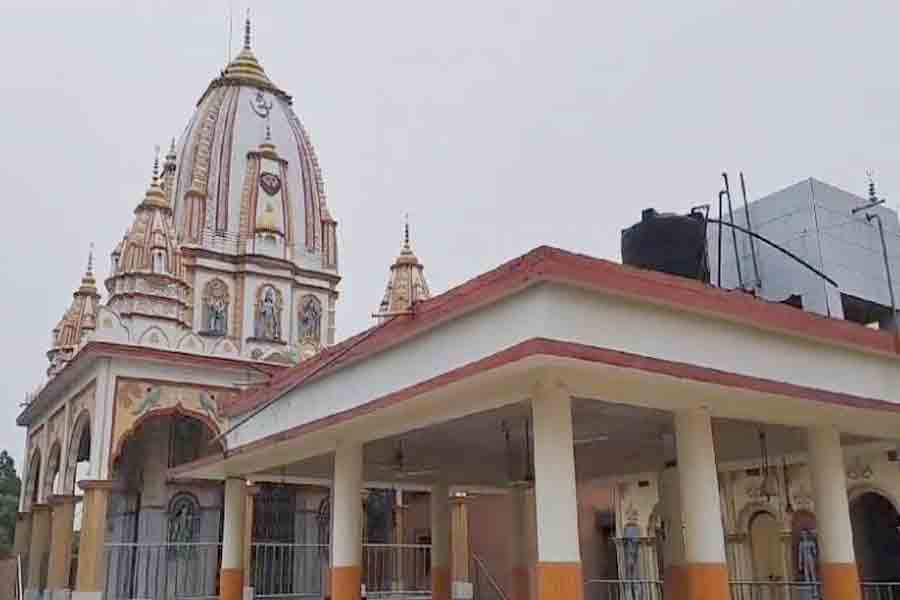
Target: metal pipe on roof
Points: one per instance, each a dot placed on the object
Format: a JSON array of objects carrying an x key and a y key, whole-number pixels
[
  {"x": 758, "y": 281},
  {"x": 719, "y": 248},
  {"x": 887, "y": 267},
  {"x": 737, "y": 254},
  {"x": 777, "y": 247}
]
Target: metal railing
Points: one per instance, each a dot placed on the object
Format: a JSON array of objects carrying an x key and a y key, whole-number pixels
[
  {"x": 776, "y": 590},
  {"x": 188, "y": 571},
  {"x": 623, "y": 589},
  {"x": 881, "y": 591},
  {"x": 484, "y": 585},
  {"x": 288, "y": 571},
  {"x": 397, "y": 571}
]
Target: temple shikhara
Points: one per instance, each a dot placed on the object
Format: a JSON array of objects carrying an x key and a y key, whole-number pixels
[{"x": 715, "y": 419}]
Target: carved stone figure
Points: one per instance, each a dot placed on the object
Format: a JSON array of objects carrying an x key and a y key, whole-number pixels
[
  {"x": 310, "y": 319},
  {"x": 807, "y": 559},
  {"x": 268, "y": 316},
  {"x": 215, "y": 306}
]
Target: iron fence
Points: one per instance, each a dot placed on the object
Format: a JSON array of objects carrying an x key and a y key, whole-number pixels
[
  {"x": 776, "y": 590},
  {"x": 401, "y": 571},
  {"x": 184, "y": 571},
  {"x": 624, "y": 589},
  {"x": 288, "y": 571},
  {"x": 881, "y": 591}
]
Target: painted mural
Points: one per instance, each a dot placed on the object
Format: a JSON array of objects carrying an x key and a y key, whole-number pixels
[{"x": 138, "y": 400}]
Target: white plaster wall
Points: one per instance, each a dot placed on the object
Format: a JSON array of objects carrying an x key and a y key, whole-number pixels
[{"x": 571, "y": 314}]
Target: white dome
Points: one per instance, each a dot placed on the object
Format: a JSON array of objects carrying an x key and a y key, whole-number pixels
[{"x": 238, "y": 112}]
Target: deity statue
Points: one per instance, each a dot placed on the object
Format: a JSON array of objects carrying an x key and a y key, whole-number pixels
[
  {"x": 807, "y": 559},
  {"x": 268, "y": 317},
  {"x": 310, "y": 319},
  {"x": 631, "y": 551},
  {"x": 216, "y": 308}
]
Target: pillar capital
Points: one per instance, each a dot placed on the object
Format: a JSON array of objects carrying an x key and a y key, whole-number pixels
[
  {"x": 40, "y": 507},
  {"x": 96, "y": 484},
  {"x": 59, "y": 499}
]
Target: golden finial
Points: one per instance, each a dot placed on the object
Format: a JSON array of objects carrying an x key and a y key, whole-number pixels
[
  {"x": 156, "y": 162},
  {"x": 406, "y": 232}
]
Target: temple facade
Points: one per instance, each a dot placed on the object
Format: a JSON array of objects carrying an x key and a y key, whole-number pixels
[{"x": 561, "y": 427}]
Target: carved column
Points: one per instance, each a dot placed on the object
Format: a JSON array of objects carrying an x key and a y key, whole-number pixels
[
  {"x": 62, "y": 521},
  {"x": 40, "y": 546},
  {"x": 90, "y": 582}
]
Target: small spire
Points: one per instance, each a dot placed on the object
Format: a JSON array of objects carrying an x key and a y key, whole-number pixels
[
  {"x": 247, "y": 31},
  {"x": 90, "y": 265},
  {"x": 171, "y": 154}
]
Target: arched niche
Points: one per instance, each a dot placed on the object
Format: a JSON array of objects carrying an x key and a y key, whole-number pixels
[
  {"x": 876, "y": 535},
  {"x": 32, "y": 489},
  {"x": 765, "y": 546},
  {"x": 52, "y": 474},
  {"x": 78, "y": 454}
]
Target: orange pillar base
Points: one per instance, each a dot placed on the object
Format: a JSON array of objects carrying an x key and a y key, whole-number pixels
[
  {"x": 703, "y": 582},
  {"x": 559, "y": 581},
  {"x": 231, "y": 584},
  {"x": 673, "y": 583},
  {"x": 440, "y": 583},
  {"x": 840, "y": 581},
  {"x": 346, "y": 583},
  {"x": 521, "y": 584}
]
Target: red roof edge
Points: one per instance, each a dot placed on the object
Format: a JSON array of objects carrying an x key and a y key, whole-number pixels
[{"x": 549, "y": 264}]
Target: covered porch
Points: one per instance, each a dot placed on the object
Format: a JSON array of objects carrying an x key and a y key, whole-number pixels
[{"x": 553, "y": 371}]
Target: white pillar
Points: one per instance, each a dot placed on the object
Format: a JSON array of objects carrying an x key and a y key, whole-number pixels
[
  {"x": 440, "y": 541},
  {"x": 704, "y": 539},
  {"x": 559, "y": 573},
  {"x": 704, "y": 572},
  {"x": 346, "y": 523},
  {"x": 835, "y": 533},
  {"x": 232, "y": 576}
]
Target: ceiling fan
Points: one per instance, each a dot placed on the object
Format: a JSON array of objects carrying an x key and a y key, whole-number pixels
[{"x": 400, "y": 470}]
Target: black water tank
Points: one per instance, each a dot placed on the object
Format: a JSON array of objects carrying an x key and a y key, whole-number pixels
[{"x": 667, "y": 242}]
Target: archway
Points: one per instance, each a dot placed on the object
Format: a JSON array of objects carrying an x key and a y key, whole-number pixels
[
  {"x": 765, "y": 548},
  {"x": 34, "y": 477},
  {"x": 78, "y": 454},
  {"x": 876, "y": 539},
  {"x": 166, "y": 532},
  {"x": 51, "y": 477}
]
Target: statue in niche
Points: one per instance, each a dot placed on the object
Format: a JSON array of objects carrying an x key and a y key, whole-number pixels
[
  {"x": 631, "y": 551},
  {"x": 807, "y": 559},
  {"x": 310, "y": 319},
  {"x": 268, "y": 315},
  {"x": 215, "y": 307}
]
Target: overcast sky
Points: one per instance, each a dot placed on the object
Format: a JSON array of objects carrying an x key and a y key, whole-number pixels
[{"x": 499, "y": 125}]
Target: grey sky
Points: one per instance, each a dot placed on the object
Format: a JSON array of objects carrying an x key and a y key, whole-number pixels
[{"x": 498, "y": 125}]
